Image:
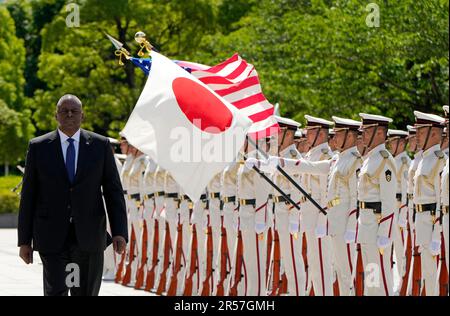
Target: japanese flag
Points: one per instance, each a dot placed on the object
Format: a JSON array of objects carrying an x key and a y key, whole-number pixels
[{"x": 186, "y": 127}]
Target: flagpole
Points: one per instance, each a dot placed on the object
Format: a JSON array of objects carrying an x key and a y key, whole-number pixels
[{"x": 309, "y": 197}]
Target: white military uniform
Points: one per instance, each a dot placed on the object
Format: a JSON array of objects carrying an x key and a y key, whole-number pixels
[
  {"x": 198, "y": 220},
  {"x": 147, "y": 195},
  {"x": 124, "y": 176},
  {"x": 319, "y": 248},
  {"x": 287, "y": 223},
  {"x": 228, "y": 183},
  {"x": 159, "y": 179},
  {"x": 136, "y": 178},
  {"x": 252, "y": 223},
  {"x": 377, "y": 185},
  {"x": 427, "y": 201},
  {"x": 411, "y": 173},
  {"x": 402, "y": 163},
  {"x": 214, "y": 221}
]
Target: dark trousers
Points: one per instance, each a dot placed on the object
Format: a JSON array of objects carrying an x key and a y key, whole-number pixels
[{"x": 72, "y": 270}]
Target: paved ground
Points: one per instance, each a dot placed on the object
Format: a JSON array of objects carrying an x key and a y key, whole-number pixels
[{"x": 16, "y": 278}]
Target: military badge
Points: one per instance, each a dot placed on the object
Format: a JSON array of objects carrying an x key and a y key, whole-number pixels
[{"x": 388, "y": 175}]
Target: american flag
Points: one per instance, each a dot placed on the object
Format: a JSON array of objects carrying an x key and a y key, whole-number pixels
[{"x": 237, "y": 82}]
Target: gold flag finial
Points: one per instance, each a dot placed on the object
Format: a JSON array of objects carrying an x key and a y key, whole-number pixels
[{"x": 141, "y": 39}]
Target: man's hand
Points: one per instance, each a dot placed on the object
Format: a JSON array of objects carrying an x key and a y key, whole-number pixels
[
  {"x": 26, "y": 253},
  {"x": 119, "y": 244}
]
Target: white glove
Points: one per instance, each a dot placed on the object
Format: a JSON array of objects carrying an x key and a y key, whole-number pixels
[
  {"x": 383, "y": 242},
  {"x": 321, "y": 231},
  {"x": 350, "y": 237},
  {"x": 270, "y": 165},
  {"x": 251, "y": 162},
  {"x": 435, "y": 247}
]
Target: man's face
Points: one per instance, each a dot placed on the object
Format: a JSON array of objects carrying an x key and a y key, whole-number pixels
[
  {"x": 123, "y": 147},
  {"x": 412, "y": 140},
  {"x": 132, "y": 150},
  {"x": 69, "y": 114},
  {"x": 367, "y": 135},
  {"x": 421, "y": 134},
  {"x": 311, "y": 135}
]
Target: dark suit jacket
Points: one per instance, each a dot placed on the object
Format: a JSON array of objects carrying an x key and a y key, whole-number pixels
[{"x": 48, "y": 199}]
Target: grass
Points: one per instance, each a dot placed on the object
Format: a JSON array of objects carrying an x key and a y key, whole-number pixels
[{"x": 9, "y": 201}]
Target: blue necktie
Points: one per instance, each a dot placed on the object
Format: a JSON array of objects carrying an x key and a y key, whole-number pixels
[{"x": 70, "y": 160}]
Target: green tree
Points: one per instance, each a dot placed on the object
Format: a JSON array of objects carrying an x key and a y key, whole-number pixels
[{"x": 15, "y": 125}]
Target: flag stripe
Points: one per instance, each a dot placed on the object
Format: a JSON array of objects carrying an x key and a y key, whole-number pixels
[
  {"x": 243, "y": 103},
  {"x": 237, "y": 82},
  {"x": 219, "y": 67}
]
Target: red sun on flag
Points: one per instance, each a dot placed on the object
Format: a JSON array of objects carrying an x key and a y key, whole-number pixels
[{"x": 202, "y": 108}]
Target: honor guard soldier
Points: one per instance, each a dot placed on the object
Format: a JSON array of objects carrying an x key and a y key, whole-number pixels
[
  {"x": 397, "y": 142},
  {"x": 156, "y": 268},
  {"x": 413, "y": 265},
  {"x": 252, "y": 193},
  {"x": 445, "y": 194},
  {"x": 214, "y": 225},
  {"x": 229, "y": 209},
  {"x": 136, "y": 177},
  {"x": 130, "y": 151},
  {"x": 427, "y": 196},
  {"x": 148, "y": 222},
  {"x": 377, "y": 205},
  {"x": 170, "y": 216},
  {"x": 314, "y": 223}
]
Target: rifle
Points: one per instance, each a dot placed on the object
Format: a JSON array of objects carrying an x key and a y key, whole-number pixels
[
  {"x": 238, "y": 267},
  {"x": 166, "y": 263},
  {"x": 443, "y": 276},
  {"x": 408, "y": 255},
  {"x": 224, "y": 257},
  {"x": 359, "y": 279},
  {"x": 206, "y": 288},
  {"x": 119, "y": 272},
  {"x": 131, "y": 255},
  {"x": 150, "y": 280},
  {"x": 188, "y": 284},
  {"x": 276, "y": 265},
  {"x": 177, "y": 266},
  {"x": 140, "y": 272}
]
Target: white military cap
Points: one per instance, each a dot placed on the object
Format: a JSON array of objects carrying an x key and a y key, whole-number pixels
[
  {"x": 113, "y": 141},
  {"x": 428, "y": 119},
  {"x": 397, "y": 133},
  {"x": 411, "y": 129},
  {"x": 445, "y": 108},
  {"x": 331, "y": 131},
  {"x": 372, "y": 119},
  {"x": 317, "y": 122},
  {"x": 343, "y": 123},
  {"x": 298, "y": 134},
  {"x": 287, "y": 123}
]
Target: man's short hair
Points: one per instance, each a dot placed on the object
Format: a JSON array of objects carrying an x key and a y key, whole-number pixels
[{"x": 69, "y": 97}]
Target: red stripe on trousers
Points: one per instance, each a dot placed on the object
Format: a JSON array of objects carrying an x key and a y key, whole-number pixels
[
  {"x": 294, "y": 265},
  {"x": 321, "y": 266}
]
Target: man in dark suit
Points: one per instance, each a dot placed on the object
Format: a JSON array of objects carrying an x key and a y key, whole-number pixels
[{"x": 62, "y": 215}]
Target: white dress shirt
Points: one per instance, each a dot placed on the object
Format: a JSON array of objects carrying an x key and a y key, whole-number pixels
[{"x": 65, "y": 144}]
